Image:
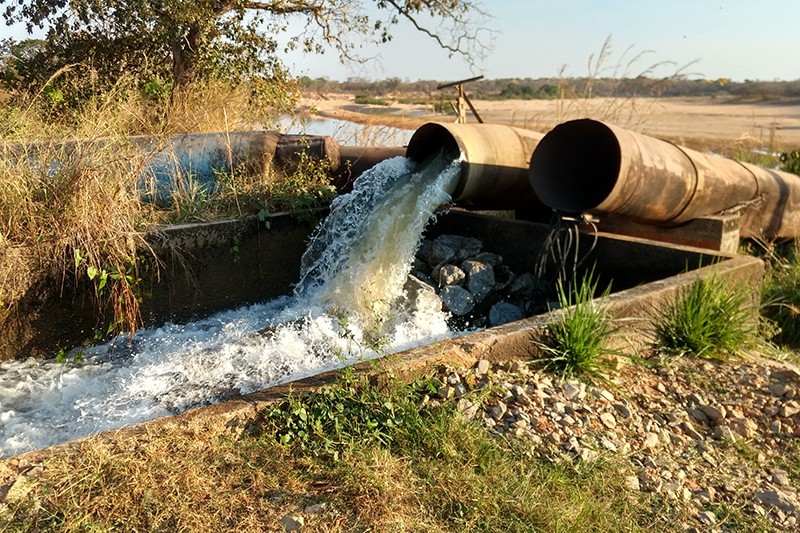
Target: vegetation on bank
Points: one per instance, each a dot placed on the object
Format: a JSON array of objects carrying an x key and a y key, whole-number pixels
[
  {"x": 374, "y": 458},
  {"x": 81, "y": 220},
  {"x": 362, "y": 455}
]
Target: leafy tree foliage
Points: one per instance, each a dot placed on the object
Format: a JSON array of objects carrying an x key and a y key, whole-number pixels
[{"x": 233, "y": 39}]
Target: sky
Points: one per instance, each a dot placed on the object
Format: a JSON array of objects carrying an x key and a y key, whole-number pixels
[{"x": 736, "y": 39}]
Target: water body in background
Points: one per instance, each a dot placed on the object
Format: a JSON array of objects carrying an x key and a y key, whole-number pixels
[
  {"x": 351, "y": 293},
  {"x": 345, "y": 132}
]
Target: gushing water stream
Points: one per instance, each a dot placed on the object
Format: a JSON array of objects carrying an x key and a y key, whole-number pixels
[{"x": 350, "y": 295}]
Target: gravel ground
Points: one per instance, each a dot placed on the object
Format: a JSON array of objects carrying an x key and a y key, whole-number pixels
[{"x": 702, "y": 438}]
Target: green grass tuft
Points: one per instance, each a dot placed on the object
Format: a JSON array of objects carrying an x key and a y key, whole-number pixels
[
  {"x": 577, "y": 339},
  {"x": 780, "y": 301},
  {"x": 708, "y": 319}
]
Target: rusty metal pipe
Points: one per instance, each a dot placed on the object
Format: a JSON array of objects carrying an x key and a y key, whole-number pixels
[
  {"x": 494, "y": 161},
  {"x": 590, "y": 166}
]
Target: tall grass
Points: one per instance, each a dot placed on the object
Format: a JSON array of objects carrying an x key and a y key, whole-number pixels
[
  {"x": 630, "y": 99},
  {"x": 71, "y": 188}
]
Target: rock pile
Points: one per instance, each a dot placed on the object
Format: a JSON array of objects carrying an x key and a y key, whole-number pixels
[
  {"x": 696, "y": 435},
  {"x": 474, "y": 285}
]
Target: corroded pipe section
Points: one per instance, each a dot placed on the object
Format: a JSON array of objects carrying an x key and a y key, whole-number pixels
[
  {"x": 494, "y": 161},
  {"x": 589, "y": 166}
]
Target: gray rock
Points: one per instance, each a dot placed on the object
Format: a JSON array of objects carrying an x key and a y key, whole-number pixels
[
  {"x": 480, "y": 278},
  {"x": 490, "y": 259},
  {"x": 449, "y": 275},
  {"x": 482, "y": 367},
  {"x": 786, "y": 374},
  {"x": 789, "y": 409},
  {"x": 707, "y": 518},
  {"x": 622, "y": 410},
  {"x": 446, "y": 392},
  {"x": 316, "y": 508},
  {"x": 421, "y": 296},
  {"x": 447, "y": 248},
  {"x": 292, "y": 522},
  {"x": 714, "y": 412},
  {"x": 498, "y": 410},
  {"x": 651, "y": 440},
  {"x": 608, "y": 420},
  {"x": 780, "y": 477},
  {"x": 574, "y": 390},
  {"x": 424, "y": 251},
  {"x": 744, "y": 427},
  {"x": 632, "y": 483},
  {"x": 503, "y": 313},
  {"x": 689, "y": 429},
  {"x": 779, "y": 500},
  {"x": 779, "y": 389},
  {"x": 444, "y": 249},
  {"x": 457, "y": 300},
  {"x": 524, "y": 285},
  {"x": 467, "y": 408},
  {"x": 699, "y": 416},
  {"x": 704, "y": 496},
  {"x": 573, "y": 445}
]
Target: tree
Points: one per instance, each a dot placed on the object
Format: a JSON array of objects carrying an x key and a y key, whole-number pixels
[{"x": 234, "y": 39}]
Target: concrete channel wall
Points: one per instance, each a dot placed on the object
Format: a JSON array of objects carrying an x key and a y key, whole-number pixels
[
  {"x": 204, "y": 268},
  {"x": 637, "y": 303},
  {"x": 209, "y": 267}
]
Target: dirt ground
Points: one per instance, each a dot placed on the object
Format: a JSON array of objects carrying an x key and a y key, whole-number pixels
[{"x": 699, "y": 122}]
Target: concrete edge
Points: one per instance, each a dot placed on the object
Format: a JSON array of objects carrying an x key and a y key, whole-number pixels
[{"x": 514, "y": 341}]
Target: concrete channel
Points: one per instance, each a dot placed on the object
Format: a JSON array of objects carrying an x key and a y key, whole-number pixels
[{"x": 645, "y": 275}]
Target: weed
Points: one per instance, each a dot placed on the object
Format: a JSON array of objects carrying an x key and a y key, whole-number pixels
[
  {"x": 577, "y": 338},
  {"x": 707, "y": 319},
  {"x": 335, "y": 419}
]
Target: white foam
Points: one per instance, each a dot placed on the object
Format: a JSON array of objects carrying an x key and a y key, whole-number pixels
[{"x": 368, "y": 242}]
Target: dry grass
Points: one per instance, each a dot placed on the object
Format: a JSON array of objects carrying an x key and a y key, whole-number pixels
[
  {"x": 447, "y": 475},
  {"x": 72, "y": 185}
]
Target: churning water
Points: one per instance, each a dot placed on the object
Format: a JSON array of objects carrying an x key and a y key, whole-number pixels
[{"x": 351, "y": 293}]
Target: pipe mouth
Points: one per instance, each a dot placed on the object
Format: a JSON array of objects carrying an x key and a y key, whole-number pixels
[
  {"x": 576, "y": 165},
  {"x": 429, "y": 139}
]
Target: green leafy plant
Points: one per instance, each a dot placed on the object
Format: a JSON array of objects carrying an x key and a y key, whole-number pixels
[
  {"x": 707, "y": 319},
  {"x": 351, "y": 413},
  {"x": 577, "y": 338},
  {"x": 790, "y": 161}
]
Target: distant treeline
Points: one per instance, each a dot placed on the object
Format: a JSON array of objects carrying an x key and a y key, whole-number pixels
[{"x": 548, "y": 88}]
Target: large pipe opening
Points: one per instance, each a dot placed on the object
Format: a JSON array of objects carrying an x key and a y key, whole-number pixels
[
  {"x": 429, "y": 139},
  {"x": 576, "y": 165},
  {"x": 494, "y": 161}
]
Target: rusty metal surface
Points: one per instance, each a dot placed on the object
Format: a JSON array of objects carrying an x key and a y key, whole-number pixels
[
  {"x": 495, "y": 161},
  {"x": 590, "y": 166}
]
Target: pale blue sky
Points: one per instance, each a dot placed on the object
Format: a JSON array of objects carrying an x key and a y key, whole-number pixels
[{"x": 738, "y": 39}]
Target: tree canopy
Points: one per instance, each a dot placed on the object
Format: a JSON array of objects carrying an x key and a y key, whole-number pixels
[{"x": 233, "y": 39}]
